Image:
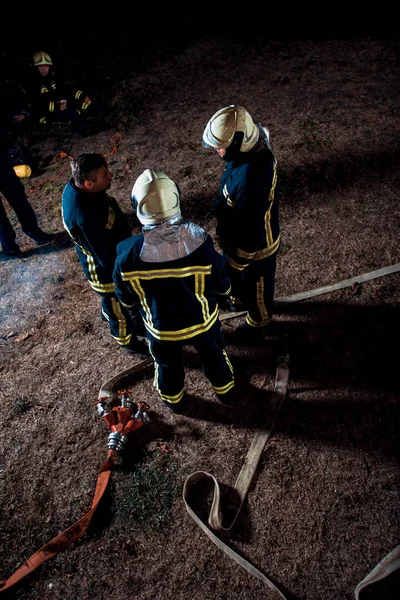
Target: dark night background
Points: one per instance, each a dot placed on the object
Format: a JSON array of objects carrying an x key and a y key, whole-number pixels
[{"x": 100, "y": 39}]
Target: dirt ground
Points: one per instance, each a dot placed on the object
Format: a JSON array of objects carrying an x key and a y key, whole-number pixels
[{"x": 323, "y": 508}]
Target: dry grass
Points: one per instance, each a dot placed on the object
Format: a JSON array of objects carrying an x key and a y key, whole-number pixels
[{"x": 323, "y": 508}]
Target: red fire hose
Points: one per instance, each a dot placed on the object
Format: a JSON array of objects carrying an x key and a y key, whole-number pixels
[{"x": 122, "y": 420}]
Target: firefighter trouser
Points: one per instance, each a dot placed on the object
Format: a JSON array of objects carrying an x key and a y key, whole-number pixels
[
  {"x": 255, "y": 287},
  {"x": 121, "y": 325},
  {"x": 13, "y": 191},
  {"x": 169, "y": 373}
]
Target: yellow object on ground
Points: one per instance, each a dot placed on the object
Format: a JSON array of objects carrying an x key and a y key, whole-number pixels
[{"x": 23, "y": 170}]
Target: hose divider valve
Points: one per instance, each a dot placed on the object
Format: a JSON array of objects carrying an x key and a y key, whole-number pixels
[{"x": 122, "y": 417}]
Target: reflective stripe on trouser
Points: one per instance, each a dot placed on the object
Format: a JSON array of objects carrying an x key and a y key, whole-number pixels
[
  {"x": 169, "y": 373},
  {"x": 121, "y": 327},
  {"x": 255, "y": 286}
]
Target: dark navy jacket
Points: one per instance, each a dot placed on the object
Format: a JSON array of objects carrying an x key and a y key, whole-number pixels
[
  {"x": 177, "y": 298},
  {"x": 247, "y": 208},
  {"x": 44, "y": 94},
  {"x": 96, "y": 225}
]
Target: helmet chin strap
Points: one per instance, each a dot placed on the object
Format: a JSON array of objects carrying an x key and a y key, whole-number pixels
[{"x": 232, "y": 151}]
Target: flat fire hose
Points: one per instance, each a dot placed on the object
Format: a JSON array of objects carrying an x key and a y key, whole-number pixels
[
  {"x": 389, "y": 564},
  {"x": 121, "y": 421},
  {"x": 385, "y": 567},
  {"x": 245, "y": 477},
  {"x": 67, "y": 537},
  {"x": 109, "y": 385},
  {"x": 73, "y": 533}
]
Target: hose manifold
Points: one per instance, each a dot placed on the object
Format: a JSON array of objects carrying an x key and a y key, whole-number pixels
[{"x": 102, "y": 409}]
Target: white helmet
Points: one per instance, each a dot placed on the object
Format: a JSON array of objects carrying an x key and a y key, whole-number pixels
[
  {"x": 155, "y": 198},
  {"x": 222, "y": 127},
  {"x": 42, "y": 58}
]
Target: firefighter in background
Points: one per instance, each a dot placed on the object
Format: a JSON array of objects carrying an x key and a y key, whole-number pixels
[
  {"x": 247, "y": 213},
  {"x": 51, "y": 101},
  {"x": 174, "y": 275},
  {"x": 96, "y": 224}
]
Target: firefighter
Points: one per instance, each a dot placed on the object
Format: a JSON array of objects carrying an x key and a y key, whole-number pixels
[
  {"x": 96, "y": 224},
  {"x": 173, "y": 273},
  {"x": 247, "y": 213},
  {"x": 51, "y": 101},
  {"x": 12, "y": 189}
]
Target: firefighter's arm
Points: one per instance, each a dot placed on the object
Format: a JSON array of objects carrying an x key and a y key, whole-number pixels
[
  {"x": 123, "y": 290},
  {"x": 239, "y": 247},
  {"x": 249, "y": 211},
  {"x": 220, "y": 278},
  {"x": 97, "y": 240},
  {"x": 47, "y": 104}
]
